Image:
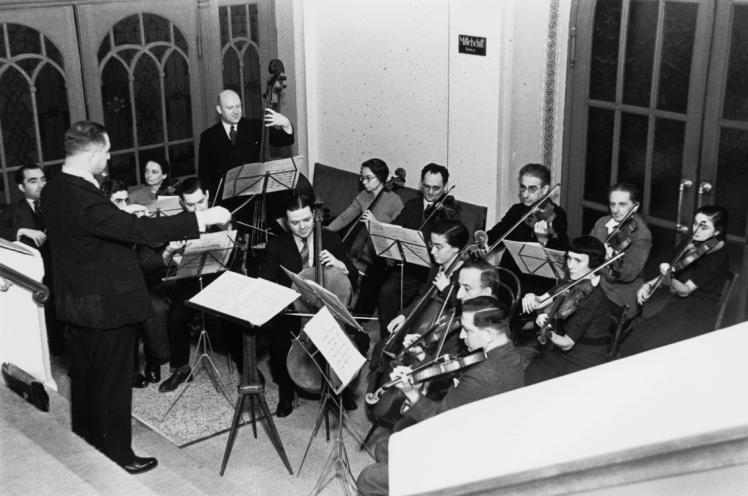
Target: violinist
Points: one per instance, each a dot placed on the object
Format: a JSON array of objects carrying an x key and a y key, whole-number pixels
[
  {"x": 580, "y": 335},
  {"x": 294, "y": 250},
  {"x": 621, "y": 281},
  {"x": 547, "y": 226},
  {"x": 695, "y": 281},
  {"x": 485, "y": 327},
  {"x": 421, "y": 212}
]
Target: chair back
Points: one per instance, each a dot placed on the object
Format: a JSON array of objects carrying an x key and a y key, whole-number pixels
[{"x": 730, "y": 284}]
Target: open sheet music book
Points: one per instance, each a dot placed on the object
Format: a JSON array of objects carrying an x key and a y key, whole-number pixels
[
  {"x": 250, "y": 300},
  {"x": 328, "y": 337},
  {"x": 535, "y": 259},
  {"x": 389, "y": 240}
]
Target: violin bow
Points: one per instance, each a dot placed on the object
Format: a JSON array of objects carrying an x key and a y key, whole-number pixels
[
  {"x": 533, "y": 208},
  {"x": 630, "y": 213}
]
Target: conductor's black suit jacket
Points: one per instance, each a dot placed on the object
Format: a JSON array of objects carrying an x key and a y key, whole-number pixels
[
  {"x": 217, "y": 155},
  {"x": 98, "y": 282}
]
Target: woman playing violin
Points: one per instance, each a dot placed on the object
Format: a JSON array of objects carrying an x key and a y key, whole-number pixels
[
  {"x": 624, "y": 230},
  {"x": 581, "y": 334},
  {"x": 485, "y": 327},
  {"x": 695, "y": 283},
  {"x": 374, "y": 174}
]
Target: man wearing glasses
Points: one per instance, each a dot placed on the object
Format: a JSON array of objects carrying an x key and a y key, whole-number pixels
[
  {"x": 549, "y": 230},
  {"x": 418, "y": 213}
]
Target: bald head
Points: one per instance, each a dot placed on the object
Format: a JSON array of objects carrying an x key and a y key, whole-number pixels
[{"x": 229, "y": 107}]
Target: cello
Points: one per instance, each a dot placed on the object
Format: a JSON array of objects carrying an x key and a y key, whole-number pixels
[{"x": 302, "y": 368}]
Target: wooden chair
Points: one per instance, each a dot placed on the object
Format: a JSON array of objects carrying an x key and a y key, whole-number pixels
[
  {"x": 621, "y": 324},
  {"x": 730, "y": 284}
]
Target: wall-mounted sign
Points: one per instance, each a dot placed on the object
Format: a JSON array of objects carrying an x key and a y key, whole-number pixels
[{"x": 474, "y": 45}]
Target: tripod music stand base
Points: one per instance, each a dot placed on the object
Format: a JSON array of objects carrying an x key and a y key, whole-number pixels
[
  {"x": 253, "y": 391},
  {"x": 337, "y": 465}
]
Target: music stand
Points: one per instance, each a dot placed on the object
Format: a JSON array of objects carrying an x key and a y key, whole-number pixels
[
  {"x": 260, "y": 179},
  {"x": 251, "y": 303},
  {"x": 207, "y": 255},
  {"x": 341, "y": 364},
  {"x": 400, "y": 244},
  {"x": 537, "y": 260}
]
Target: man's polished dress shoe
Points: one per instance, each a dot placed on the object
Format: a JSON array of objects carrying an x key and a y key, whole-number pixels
[
  {"x": 140, "y": 464},
  {"x": 153, "y": 373},
  {"x": 284, "y": 408},
  {"x": 178, "y": 377},
  {"x": 139, "y": 381}
]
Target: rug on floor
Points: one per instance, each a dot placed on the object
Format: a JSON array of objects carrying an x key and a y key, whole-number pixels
[{"x": 201, "y": 412}]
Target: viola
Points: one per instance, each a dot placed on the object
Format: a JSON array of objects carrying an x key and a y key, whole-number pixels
[
  {"x": 356, "y": 240},
  {"x": 544, "y": 212},
  {"x": 564, "y": 306},
  {"x": 438, "y": 368}
]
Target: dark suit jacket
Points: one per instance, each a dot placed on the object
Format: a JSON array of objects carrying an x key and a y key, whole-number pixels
[
  {"x": 500, "y": 372},
  {"x": 16, "y": 216},
  {"x": 282, "y": 250},
  {"x": 98, "y": 282},
  {"x": 217, "y": 155}
]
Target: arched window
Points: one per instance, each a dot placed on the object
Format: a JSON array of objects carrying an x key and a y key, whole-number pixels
[
  {"x": 34, "y": 111},
  {"x": 145, "y": 89},
  {"x": 241, "y": 55}
]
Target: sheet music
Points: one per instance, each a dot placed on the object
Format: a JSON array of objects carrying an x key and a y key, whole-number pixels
[
  {"x": 248, "y": 179},
  {"x": 385, "y": 237},
  {"x": 252, "y": 300},
  {"x": 340, "y": 353},
  {"x": 210, "y": 252},
  {"x": 533, "y": 258},
  {"x": 168, "y": 205}
]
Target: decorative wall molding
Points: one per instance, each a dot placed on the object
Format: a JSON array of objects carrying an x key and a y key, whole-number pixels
[{"x": 550, "y": 86}]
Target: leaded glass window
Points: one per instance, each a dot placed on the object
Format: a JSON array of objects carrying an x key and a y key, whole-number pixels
[
  {"x": 34, "y": 111},
  {"x": 145, "y": 88},
  {"x": 241, "y": 55}
]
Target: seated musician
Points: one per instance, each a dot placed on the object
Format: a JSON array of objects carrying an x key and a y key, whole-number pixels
[
  {"x": 485, "y": 327},
  {"x": 294, "y": 250},
  {"x": 152, "y": 260},
  {"x": 156, "y": 175},
  {"x": 580, "y": 339},
  {"x": 622, "y": 279},
  {"x": 193, "y": 198},
  {"x": 421, "y": 212},
  {"x": 547, "y": 228},
  {"x": 695, "y": 287}
]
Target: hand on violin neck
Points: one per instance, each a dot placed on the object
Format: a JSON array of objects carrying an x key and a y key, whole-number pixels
[
  {"x": 531, "y": 302},
  {"x": 277, "y": 120},
  {"x": 541, "y": 319},
  {"x": 395, "y": 324},
  {"x": 665, "y": 269}
]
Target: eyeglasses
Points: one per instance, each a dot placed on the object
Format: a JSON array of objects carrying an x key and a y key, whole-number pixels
[
  {"x": 367, "y": 179},
  {"x": 531, "y": 189},
  {"x": 431, "y": 188}
]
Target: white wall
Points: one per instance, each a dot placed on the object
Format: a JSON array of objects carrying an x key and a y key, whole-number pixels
[{"x": 385, "y": 79}]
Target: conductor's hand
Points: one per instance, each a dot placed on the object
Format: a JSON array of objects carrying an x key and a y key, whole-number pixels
[
  {"x": 441, "y": 281},
  {"x": 395, "y": 323},
  {"x": 214, "y": 216},
  {"x": 135, "y": 209},
  {"x": 36, "y": 236},
  {"x": 329, "y": 260},
  {"x": 529, "y": 302},
  {"x": 368, "y": 216},
  {"x": 277, "y": 120},
  {"x": 173, "y": 252}
]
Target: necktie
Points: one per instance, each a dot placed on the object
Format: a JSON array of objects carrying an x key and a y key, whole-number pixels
[
  {"x": 37, "y": 207},
  {"x": 232, "y": 135},
  {"x": 305, "y": 254}
]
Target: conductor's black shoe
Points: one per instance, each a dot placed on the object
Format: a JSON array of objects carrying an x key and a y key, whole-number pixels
[
  {"x": 284, "y": 408},
  {"x": 139, "y": 465},
  {"x": 153, "y": 373},
  {"x": 177, "y": 377},
  {"x": 139, "y": 381}
]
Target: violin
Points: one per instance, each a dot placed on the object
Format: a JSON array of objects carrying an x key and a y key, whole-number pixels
[
  {"x": 356, "y": 240},
  {"x": 564, "y": 307},
  {"x": 490, "y": 251},
  {"x": 446, "y": 204},
  {"x": 620, "y": 239},
  {"x": 438, "y": 368}
]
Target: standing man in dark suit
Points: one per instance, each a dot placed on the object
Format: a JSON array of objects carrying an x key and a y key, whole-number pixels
[
  {"x": 23, "y": 221},
  {"x": 294, "y": 250},
  {"x": 100, "y": 291},
  {"x": 236, "y": 140}
]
